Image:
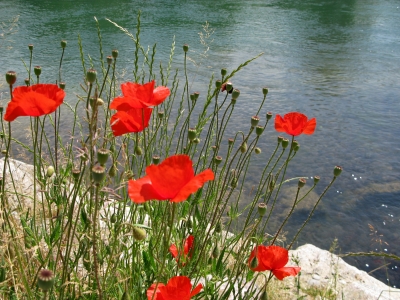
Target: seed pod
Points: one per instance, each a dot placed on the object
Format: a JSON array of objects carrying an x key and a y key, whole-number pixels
[{"x": 45, "y": 280}]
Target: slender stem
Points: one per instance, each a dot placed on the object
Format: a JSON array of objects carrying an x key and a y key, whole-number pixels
[{"x": 94, "y": 241}]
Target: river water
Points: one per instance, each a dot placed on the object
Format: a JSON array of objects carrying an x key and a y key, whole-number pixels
[{"x": 336, "y": 60}]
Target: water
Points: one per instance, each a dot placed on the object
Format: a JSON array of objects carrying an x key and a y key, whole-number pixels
[{"x": 338, "y": 61}]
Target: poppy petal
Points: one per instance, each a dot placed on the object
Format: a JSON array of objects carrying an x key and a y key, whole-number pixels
[
  {"x": 286, "y": 271},
  {"x": 152, "y": 290},
  {"x": 178, "y": 287},
  {"x": 196, "y": 290},
  {"x": 160, "y": 94},
  {"x": 193, "y": 185},
  {"x": 275, "y": 257},
  {"x": 258, "y": 252},
  {"x": 169, "y": 177},
  {"x": 141, "y": 190},
  {"x": 173, "y": 250},
  {"x": 120, "y": 103},
  {"x": 279, "y": 124},
  {"x": 130, "y": 121},
  {"x": 189, "y": 242},
  {"x": 310, "y": 127}
]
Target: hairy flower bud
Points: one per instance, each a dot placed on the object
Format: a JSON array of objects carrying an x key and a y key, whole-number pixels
[
  {"x": 337, "y": 171},
  {"x": 254, "y": 263},
  {"x": 50, "y": 171},
  {"x": 138, "y": 150},
  {"x": 243, "y": 147},
  {"x": 138, "y": 234},
  {"x": 91, "y": 75},
  {"x": 113, "y": 171}
]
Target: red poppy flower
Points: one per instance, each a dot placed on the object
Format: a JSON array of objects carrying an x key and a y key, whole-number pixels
[
  {"x": 133, "y": 120},
  {"x": 172, "y": 180},
  {"x": 137, "y": 95},
  {"x": 34, "y": 101},
  {"x": 182, "y": 256},
  {"x": 178, "y": 287},
  {"x": 295, "y": 123},
  {"x": 273, "y": 258}
]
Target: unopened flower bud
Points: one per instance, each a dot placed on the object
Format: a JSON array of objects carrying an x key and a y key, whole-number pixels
[
  {"x": 223, "y": 72},
  {"x": 63, "y": 44},
  {"x": 280, "y": 139},
  {"x": 259, "y": 130},
  {"x": 254, "y": 263},
  {"x": 285, "y": 143},
  {"x": 156, "y": 159},
  {"x": 76, "y": 173},
  {"x": 218, "y": 227},
  {"x": 11, "y": 77},
  {"x": 113, "y": 171},
  {"x": 98, "y": 174},
  {"x": 138, "y": 234},
  {"x": 192, "y": 134},
  {"x": 61, "y": 85},
  {"x": 271, "y": 185},
  {"x": 45, "y": 280},
  {"x": 114, "y": 53},
  {"x": 196, "y": 141},
  {"x": 91, "y": 75},
  {"x": 109, "y": 60},
  {"x": 138, "y": 150},
  {"x": 269, "y": 115},
  {"x": 234, "y": 182},
  {"x": 301, "y": 183},
  {"x": 257, "y": 150},
  {"x": 30, "y": 47},
  {"x": 254, "y": 121},
  {"x": 185, "y": 48},
  {"x": 337, "y": 171},
  {"x": 262, "y": 209},
  {"x": 265, "y": 91},
  {"x": 243, "y": 147},
  {"x": 102, "y": 156},
  {"x": 316, "y": 179},
  {"x": 218, "y": 84},
  {"x": 215, "y": 252},
  {"x": 160, "y": 114},
  {"x": 113, "y": 218},
  {"x": 37, "y": 70},
  {"x": 99, "y": 102},
  {"x": 50, "y": 171},
  {"x": 26, "y": 80},
  {"x": 217, "y": 160},
  {"x": 235, "y": 94}
]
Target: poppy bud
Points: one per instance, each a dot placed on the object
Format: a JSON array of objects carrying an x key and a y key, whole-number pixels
[
  {"x": 316, "y": 179},
  {"x": 272, "y": 184},
  {"x": 160, "y": 114},
  {"x": 215, "y": 252},
  {"x": 269, "y": 115},
  {"x": 257, "y": 150},
  {"x": 45, "y": 280},
  {"x": 99, "y": 102},
  {"x": 192, "y": 97},
  {"x": 229, "y": 87},
  {"x": 113, "y": 171},
  {"x": 280, "y": 139},
  {"x": 156, "y": 159},
  {"x": 223, "y": 72},
  {"x": 285, "y": 143},
  {"x": 26, "y": 80},
  {"x": 138, "y": 234},
  {"x": 296, "y": 148},
  {"x": 337, "y": 171},
  {"x": 61, "y": 85},
  {"x": 185, "y": 48},
  {"x": 217, "y": 160},
  {"x": 113, "y": 218},
  {"x": 92, "y": 101},
  {"x": 196, "y": 95},
  {"x": 109, "y": 60},
  {"x": 196, "y": 141},
  {"x": 254, "y": 121},
  {"x": 192, "y": 134},
  {"x": 301, "y": 183},
  {"x": 102, "y": 156},
  {"x": 259, "y": 130},
  {"x": 214, "y": 148},
  {"x": 91, "y": 75},
  {"x": 138, "y": 150},
  {"x": 218, "y": 227},
  {"x": 189, "y": 223},
  {"x": 264, "y": 296},
  {"x": 98, "y": 174},
  {"x": 243, "y": 147},
  {"x": 63, "y": 44},
  {"x": 37, "y": 70},
  {"x": 50, "y": 171},
  {"x": 114, "y": 53},
  {"x": 234, "y": 182},
  {"x": 235, "y": 94},
  {"x": 218, "y": 84},
  {"x": 76, "y": 173},
  {"x": 30, "y": 47},
  {"x": 11, "y": 77},
  {"x": 262, "y": 209},
  {"x": 265, "y": 91},
  {"x": 254, "y": 263},
  {"x": 230, "y": 142}
]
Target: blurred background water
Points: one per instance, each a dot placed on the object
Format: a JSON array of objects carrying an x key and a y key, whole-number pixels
[{"x": 336, "y": 60}]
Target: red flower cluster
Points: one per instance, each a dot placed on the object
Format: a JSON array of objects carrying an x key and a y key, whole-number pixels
[
  {"x": 133, "y": 108},
  {"x": 34, "y": 101},
  {"x": 177, "y": 288},
  {"x": 295, "y": 123},
  {"x": 273, "y": 258},
  {"x": 173, "y": 180},
  {"x": 182, "y": 256}
]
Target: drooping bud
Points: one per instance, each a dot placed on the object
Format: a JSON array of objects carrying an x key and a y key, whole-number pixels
[
  {"x": 138, "y": 234},
  {"x": 218, "y": 227},
  {"x": 192, "y": 134},
  {"x": 138, "y": 150},
  {"x": 102, "y": 156},
  {"x": 156, "y": 159},
  {"x": 215, "y": 252},
  {"x": 61, "y": 85},
  {"x": 45, "y": 280},
  {"x": 113, "y": 218},
  {"x": 113, "y": 171},
  {"x": 235, "y": 94},
  {"x": 259, "y": 130},
  {"x": 91, "y": 75},
  {"x": 11, "y": 77},
  {"x": 114, "y": 53},
  {"x": 254, "y": 121},
  {"x": 243, "y": 147},
  {"x": 37, "y": 70},
  {"x": 269, "y": 115},
  {"x": 98, "y": 174},
  {"x": 285, "y": 143},
  {"x": 109, "y": 60},
  {"x": 185, "y": 48},
  {"x": 262, "y": 209},
  {"x": 196, "y": 141},
  {"x": 301, "y": 183},
  {"x": 218, "y": 160},
  {"x": 223, "y": 71},
  {"x": 316, "y": 179},
  {"x": 63, "y": 44},
  {"x": 257, "y": 150},
  {"x": 337, "y": 171},
  {"x": 50, "y": 171}
]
